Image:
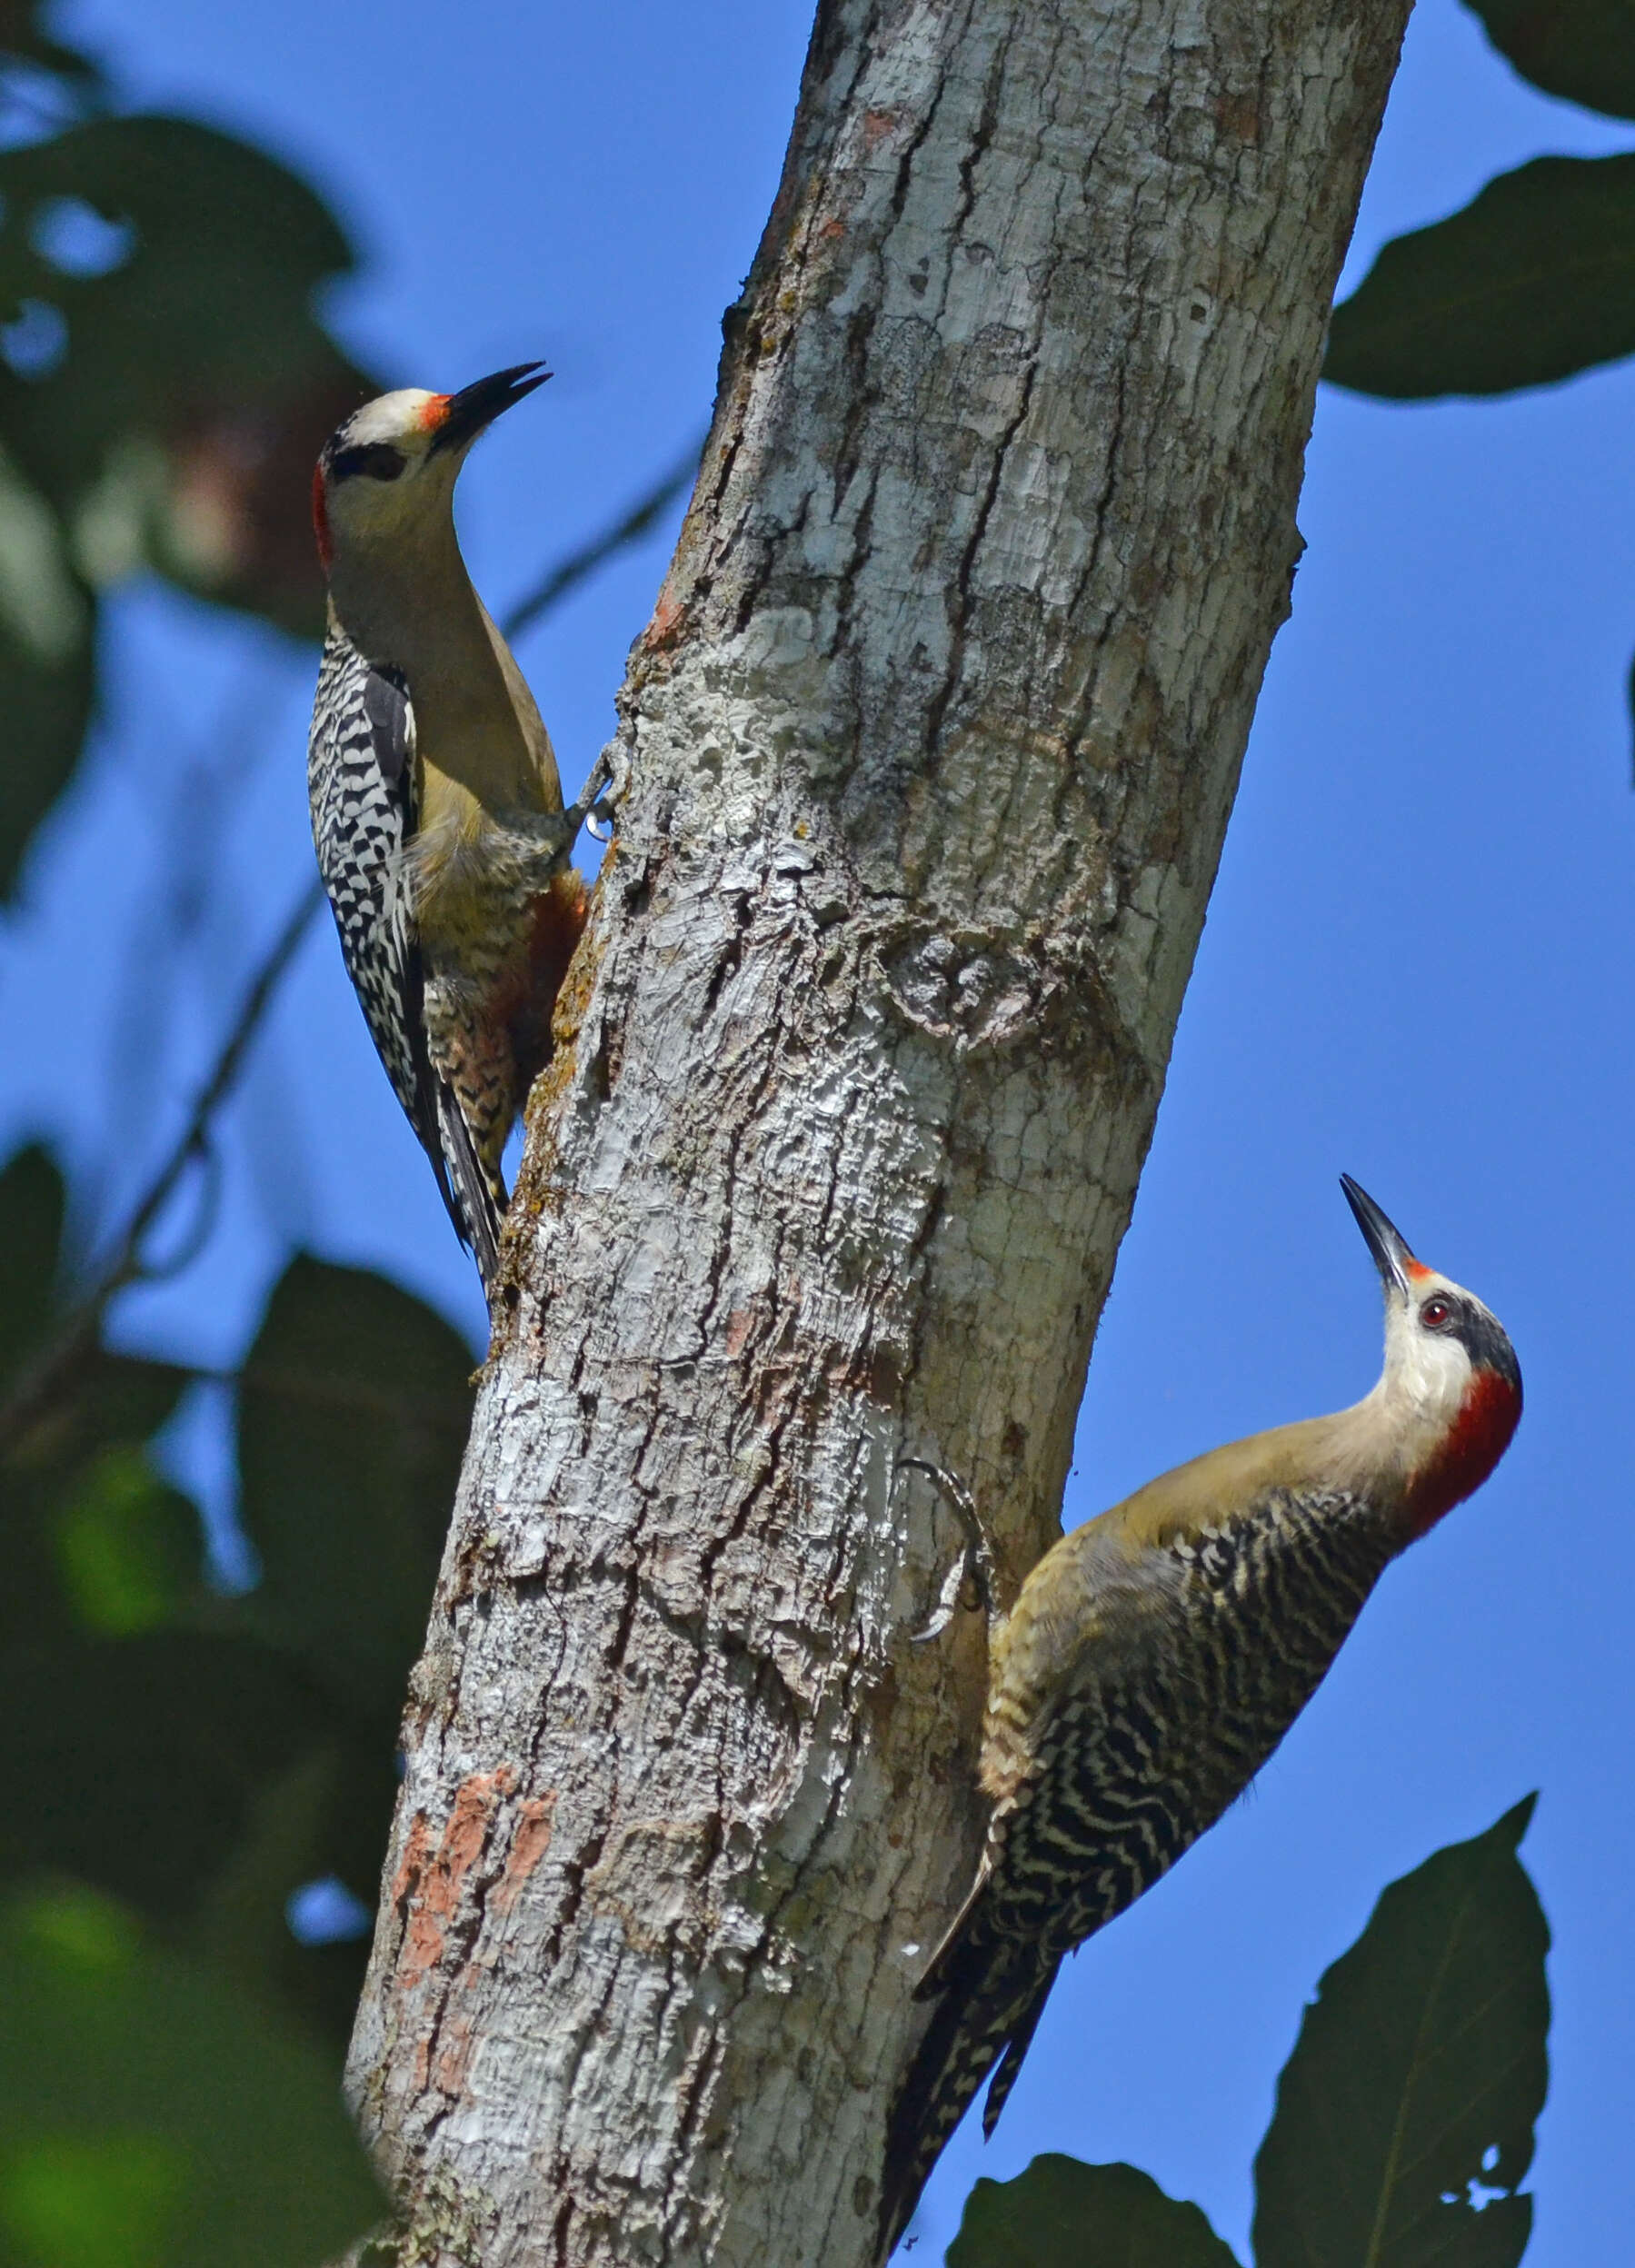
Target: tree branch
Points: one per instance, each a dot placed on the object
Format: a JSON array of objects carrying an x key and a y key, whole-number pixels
[
  {"x": 573, "y": 567},
  {"x": 930, "y": 745}
]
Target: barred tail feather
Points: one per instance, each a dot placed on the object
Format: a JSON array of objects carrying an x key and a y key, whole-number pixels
[
  {"x": 990, "y": 2005},
  {"x": 474, "y": 1205}
]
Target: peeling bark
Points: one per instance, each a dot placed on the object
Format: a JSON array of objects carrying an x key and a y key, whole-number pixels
[{"x": 930, "y": 745}]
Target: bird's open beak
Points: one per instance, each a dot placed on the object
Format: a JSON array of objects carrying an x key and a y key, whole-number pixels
[
  {"x": 1391, "y": 1255},
  {"x": 476, "y": 406}
]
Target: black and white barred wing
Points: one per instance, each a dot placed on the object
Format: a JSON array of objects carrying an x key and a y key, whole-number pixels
[
  {"x": 360, "y": 780},
  {"x": 360, "y": 777}
]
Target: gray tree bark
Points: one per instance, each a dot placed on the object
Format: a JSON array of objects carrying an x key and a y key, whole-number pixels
[{"x": 931, "y": 745}]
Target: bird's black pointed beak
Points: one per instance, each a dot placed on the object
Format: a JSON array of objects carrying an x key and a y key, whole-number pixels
[
  {"x": 476, "y": 406},
  {"x": 1388, "y": 1246}
]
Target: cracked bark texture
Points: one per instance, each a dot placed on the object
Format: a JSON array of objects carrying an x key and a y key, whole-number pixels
[{"x": 931, "y": 745}]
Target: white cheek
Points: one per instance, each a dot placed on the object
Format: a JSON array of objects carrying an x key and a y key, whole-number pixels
[{"x": 1436, "y": 1371}]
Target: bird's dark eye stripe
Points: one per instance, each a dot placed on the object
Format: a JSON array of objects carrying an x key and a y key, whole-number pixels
[{"x": 376, "y": 459}]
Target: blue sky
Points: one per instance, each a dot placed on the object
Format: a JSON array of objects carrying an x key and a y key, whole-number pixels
[{"x": 1417, "y": 966}]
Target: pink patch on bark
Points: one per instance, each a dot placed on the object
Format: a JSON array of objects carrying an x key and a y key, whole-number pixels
[
  {"x": 528, "y": 1846},
  {"x": 432, "y": 1889}
]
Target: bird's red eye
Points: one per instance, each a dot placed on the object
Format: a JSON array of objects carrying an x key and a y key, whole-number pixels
[{"x": 1435, "y": 1313}]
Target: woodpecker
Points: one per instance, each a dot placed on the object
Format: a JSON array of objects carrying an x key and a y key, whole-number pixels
[
  {"x": 437, "y": 811},
  {"x": 1156, "y": 1657}
]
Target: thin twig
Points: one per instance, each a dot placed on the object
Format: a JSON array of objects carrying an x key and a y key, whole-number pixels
[
  {"x": 79, "y": 1330},
  {"x": 573, "y": 567},
  {"x": 125, "y": 1266}
]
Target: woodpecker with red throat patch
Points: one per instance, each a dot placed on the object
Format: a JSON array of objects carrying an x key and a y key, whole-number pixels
[
  {"x": 1157, "y": 1656},
  {"x": 437, "y": 810}
]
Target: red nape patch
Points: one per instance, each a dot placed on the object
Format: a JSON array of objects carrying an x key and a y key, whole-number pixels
[
  {"x": 435, "y": 412},
  {"x": 1478, "y": 1437},
  {"x": 326, "y": 549}
]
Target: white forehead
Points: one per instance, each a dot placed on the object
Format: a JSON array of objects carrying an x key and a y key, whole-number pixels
[{"x": 395, "y": 417}]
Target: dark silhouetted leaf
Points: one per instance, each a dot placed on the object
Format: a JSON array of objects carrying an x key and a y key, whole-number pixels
[
  {"x": 1417, "y": 2078},
  {"x": 22, "y": 38},
  {"x": 46, "y": 683},
  {"x": 164, "y": 388},
  {"x": 137, "y": 1760},
  {"x": 1061, "y": 2213},
  {"x": 226, "y": 248},
  {"x": 151, "y": 2116},
  {"x": 101, "y": 1401},
  {"x": 1534, "y": 281},
  {"x": 31, "y": 1233},
  {"x": 1582, "y": 49},
  {"x": 121, "y": 1398},
  {"x": 193, "y": 370},
  {"x": 352, "y": 1415},
  {"x": 243, "y": 1918}
]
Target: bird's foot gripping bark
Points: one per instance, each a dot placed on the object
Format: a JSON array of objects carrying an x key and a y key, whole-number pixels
[
  {"x": 973, "y": 1568},
  {"x": 603, "y": 792}
]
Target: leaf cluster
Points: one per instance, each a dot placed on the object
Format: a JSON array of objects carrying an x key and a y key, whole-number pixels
[
  {"x": 1529, "y": 283},
  {"x": 1404, "y": 2121},
  {"x": 1534, "y": 280},
  {"x": 164, "y": 386},
  {"x": 182, "y": 1762}
]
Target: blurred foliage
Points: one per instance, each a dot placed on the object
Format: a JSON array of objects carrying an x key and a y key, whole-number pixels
[
  {"x": 164, "y": 386},
  {"x": 184, "y": 1762},
  {"x": 146, "y": 2110},
  {"x": 1404, "y": 2119}
]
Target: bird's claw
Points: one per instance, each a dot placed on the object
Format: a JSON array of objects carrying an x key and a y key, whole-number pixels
[
  {"x": 975, "y": 1564},
  {"x": 602, "y": 793}
]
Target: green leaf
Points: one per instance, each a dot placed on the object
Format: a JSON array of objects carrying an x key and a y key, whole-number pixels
[
  {"x": 111, "y": 2202},
  {"x": 1418, "y": 2072},
  {"x": 1583, "y": 50},
  {"x": 1061, "y": 2213},
  {"x": 152, "y": 2117},
  {"x": 127, "y": 1546},
  {"x": 48, "y": 711},
  {"x": 102, "y": 1407},
  {"x": 353, "y": 1414},
  {"x": 1532, "y": 282},
  {"x": 143, "y": 1756}
]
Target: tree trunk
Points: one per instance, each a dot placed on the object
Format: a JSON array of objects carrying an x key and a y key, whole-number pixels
[{"x": 931, "y": 741}]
